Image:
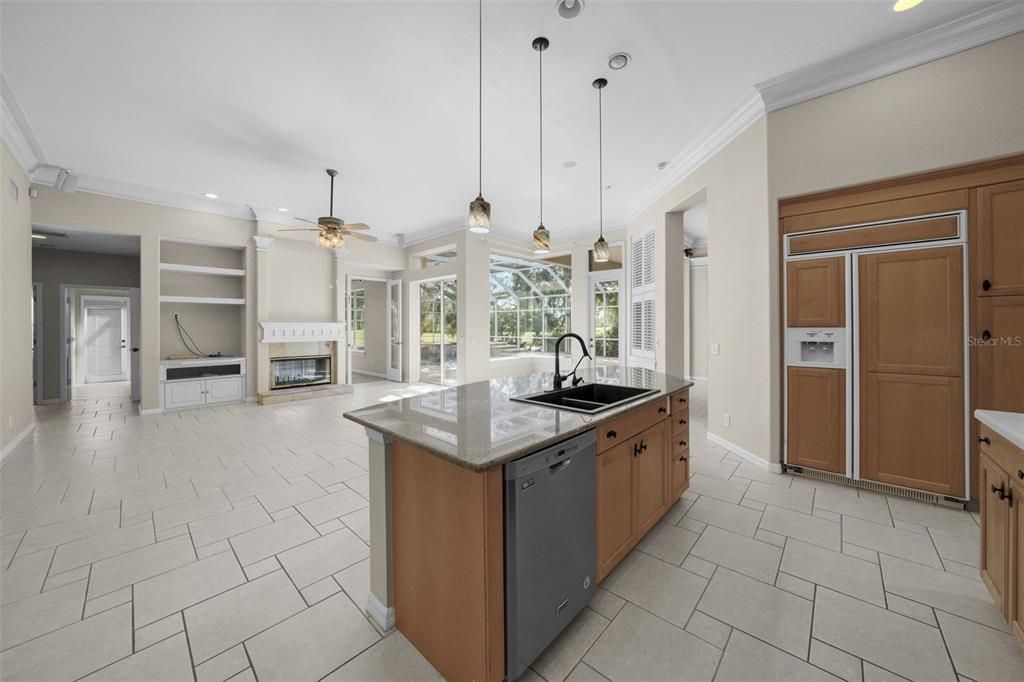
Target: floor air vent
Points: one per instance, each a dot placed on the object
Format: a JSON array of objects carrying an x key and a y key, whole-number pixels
[{"x": 883, "y": 488}]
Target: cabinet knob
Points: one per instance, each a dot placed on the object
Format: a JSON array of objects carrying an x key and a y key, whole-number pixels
[
  {"x": 613, "y": 434},
  {"x": 682, "y": 458},
  {"x": 986, "y": 285},
  {"x": 662, "y": 410},
  {"x": 986, "y": 335},
  {"x": 1020, "y": 474},
  {"x": 682, "y": 443},
  {"x": 1001, "y": 490},
  {"x": 643, "y": 446},
  {"x": 985, "y": 439}
]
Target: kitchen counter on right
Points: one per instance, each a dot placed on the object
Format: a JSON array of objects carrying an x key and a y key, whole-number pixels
[{"x": 1009, "y": 425}]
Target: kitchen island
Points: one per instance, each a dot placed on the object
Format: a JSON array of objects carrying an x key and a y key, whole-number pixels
[{"x": 437, "y": 499}]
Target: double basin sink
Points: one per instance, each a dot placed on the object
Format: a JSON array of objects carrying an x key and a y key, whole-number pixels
[{"x": 588, "y": 398}]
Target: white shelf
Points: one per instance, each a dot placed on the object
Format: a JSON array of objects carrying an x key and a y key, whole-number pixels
[
  {"x": 202, "y": 299},
  {"x": 202, "y": 270}
]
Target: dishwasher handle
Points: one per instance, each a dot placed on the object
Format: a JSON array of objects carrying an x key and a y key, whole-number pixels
[{"x": 555, "y": 468}]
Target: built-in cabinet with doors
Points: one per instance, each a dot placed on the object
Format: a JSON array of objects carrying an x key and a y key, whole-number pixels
[
  {"x": 642, "y": 469},
  {"x": 903, "y": 309},
  {"x": 1002, "y": 525}
]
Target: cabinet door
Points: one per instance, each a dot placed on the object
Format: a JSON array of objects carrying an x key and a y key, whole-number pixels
[
  {"x": 1001, "y": 239},
  {"x": 1017, "y": 555},
  {"x": 650, "y": 477},
  {"x": 1001, "y": 355},
  {"x": 912, "y": 432},
  {"x": 995, "y": 533},
  {"x": 226, "y": 390},
  {"x": 616, "y": 513},
  {"x": 178, "y": 394},
  {"x": 816, "y": 292},
  {"x": 816, "y": 418},
  {"x": 912, "y": 311}
]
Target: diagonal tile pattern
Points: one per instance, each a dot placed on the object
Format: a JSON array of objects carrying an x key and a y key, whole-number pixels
[{"x": 231, "y": 542}]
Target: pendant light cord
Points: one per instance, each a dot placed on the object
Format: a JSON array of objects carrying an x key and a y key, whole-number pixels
[
  {"x": 540, "y": 65},
  {"x": 600, "y": 163},
  {"x": 480, "y": 103}
]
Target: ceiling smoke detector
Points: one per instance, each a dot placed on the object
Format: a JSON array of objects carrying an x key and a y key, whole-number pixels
[
  {"x": 619, "y": 61},
  {"x": 569, "y": 164},
  {"x": 569, "y": 9}
]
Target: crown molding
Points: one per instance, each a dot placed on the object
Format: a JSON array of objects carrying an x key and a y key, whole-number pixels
[
  {"x": 17, "y": 134},
  {"x": 700, "y": 150},
  {"x": 886, "y": 57}
]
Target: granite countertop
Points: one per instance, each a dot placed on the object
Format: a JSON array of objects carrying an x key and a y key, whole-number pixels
[
  {"x": 479, "y": 427},
  {"x": 1009, "y": 425}
]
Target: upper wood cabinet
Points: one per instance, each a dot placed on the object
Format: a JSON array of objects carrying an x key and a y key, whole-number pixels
[
  {"x": 1000, "y": 224},
  {"x": 816, "y": 418},
  {"x": 999, "y": 353},
  {"x": 912, "y": 311},
  {"x": 815, "y": 292}
]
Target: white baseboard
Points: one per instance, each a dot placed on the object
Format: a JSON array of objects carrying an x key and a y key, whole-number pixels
[
  {"x": 774, "y": 467},
  {"x": 370, "y": 374},
  {"x": 382, "y": 615},
  {"x": 150, "y": 410},
  {"x": 9, "y": 448}
]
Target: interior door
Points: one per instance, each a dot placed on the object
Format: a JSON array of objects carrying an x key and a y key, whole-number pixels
[
  {"x": 911, "y": 315},
  {"x": 605, "y": 319},
  {"x": 394, "y": 330},
  {"x": 106, "y": 342}
]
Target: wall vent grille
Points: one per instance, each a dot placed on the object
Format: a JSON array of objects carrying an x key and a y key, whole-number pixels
[{"x": 883, "y": 488}]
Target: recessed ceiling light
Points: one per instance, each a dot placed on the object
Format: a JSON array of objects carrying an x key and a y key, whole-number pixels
[
  {"x": 282, "y": 210},
  {"x": 662, "y": 164},
  {"x": 210, "y": 195},
  {"x": 618, "y": 61},
  {"x": 569, "y": 164},
  {"x": 39, "y": 236},
  {"x": 568, "y": 9},
  {"x": 904, "y": 5}
]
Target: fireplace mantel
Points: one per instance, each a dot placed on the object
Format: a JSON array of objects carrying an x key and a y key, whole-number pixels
[{"x": 291, "y": 332}]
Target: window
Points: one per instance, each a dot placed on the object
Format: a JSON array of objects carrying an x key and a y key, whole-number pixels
[
  {"x": 531, "y": 303},
  {"x": 357, "y": 319},
  {"x": 442, "y": 258}
]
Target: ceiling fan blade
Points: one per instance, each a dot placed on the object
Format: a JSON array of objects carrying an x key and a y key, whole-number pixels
[
  {"x": 357, "y": 226},
  {"x": 297, "y": 229},
  {"x": 311, "y": 222},
  {"x": 364, "y": 237}
]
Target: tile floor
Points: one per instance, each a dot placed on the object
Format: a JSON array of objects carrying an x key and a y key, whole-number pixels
[{"x": 232, "y": 542}]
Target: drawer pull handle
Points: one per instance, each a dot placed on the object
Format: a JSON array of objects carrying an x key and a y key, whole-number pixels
[
  {"x": 1000, "y": 491},
  {"x": 662, "y": 410},
  {"x": 1009, "y": 497},
  {"x": 643, "y": 446},
  {"x": 682, "y": 421},
  {"x": 985, "y": 439},
  {"x": 683, "y": 443},
  {"x": 636, "y": 449},
  {"x": 1020, "y": 474},
  {"x": 682, "y": 458},
  {"x": 613, "y": 434}
]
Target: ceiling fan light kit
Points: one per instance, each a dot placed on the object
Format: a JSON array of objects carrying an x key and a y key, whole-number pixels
[{"x": 601, "y": 251}]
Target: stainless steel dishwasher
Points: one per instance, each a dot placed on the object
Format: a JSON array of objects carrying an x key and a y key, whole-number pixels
[{"x": 550, "y": 546}]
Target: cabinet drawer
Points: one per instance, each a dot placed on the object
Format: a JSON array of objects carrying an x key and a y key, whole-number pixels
[
  {"x": 1003, "y": 453},
  {"x": 680, "y": 400},
  {"x": 625, "y": 427},
  {"x": 679, "y": 471},
  {"x": 680, "y": 421},
  {"x": 679, "y": 443}
]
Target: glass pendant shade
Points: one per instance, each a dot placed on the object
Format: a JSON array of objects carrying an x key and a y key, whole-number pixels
[
  {"x": 601, "y": 252},
  {"x": 479, "y": 216},
  {"x": 541, "y": 240}
]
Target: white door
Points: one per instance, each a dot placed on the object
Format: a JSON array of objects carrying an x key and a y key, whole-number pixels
[
  {"x": 228, "y": 389},
  {"x": 394, "y": 330},
  {"x": 105, "y": 323},
  {"x": 133, "y": 343},
  {"x": 37, "y": 348},
  {"x": 606, "y": 318}
]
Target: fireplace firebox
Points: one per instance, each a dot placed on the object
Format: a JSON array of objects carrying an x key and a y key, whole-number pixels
[{"x": 299, "y": 371}]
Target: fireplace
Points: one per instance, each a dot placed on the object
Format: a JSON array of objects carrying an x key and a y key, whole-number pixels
[{"x": 292, "y": 372}]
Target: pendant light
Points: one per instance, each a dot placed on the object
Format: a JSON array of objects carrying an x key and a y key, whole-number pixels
[
  {"x": 541, "y": 236},
  {"x": 479, "y": 221},
  {"x": 601, "y": 251}
]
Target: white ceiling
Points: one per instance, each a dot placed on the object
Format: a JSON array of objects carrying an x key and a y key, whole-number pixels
[
  {"x": 85, "y": 241},
  {"x": 695, "y": 223},
  {"x": 252, "y": 100}
]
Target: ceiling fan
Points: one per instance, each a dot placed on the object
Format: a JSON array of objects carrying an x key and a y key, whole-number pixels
[{"x": 333, "y": 231}]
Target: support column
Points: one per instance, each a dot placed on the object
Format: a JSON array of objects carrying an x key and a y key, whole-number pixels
[
  {"x": 340, "y": 359},
  {"x": 380, "y": 600},
  {"x": 263, "y": 244}
]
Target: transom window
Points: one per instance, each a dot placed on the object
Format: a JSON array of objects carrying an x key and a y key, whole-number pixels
[{"x": 531, "y": 302}]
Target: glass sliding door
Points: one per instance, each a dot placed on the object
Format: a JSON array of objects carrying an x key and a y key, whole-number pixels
[{"x": 438, "y": 331}]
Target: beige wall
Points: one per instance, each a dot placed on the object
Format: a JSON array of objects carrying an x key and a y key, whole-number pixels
[
  {"x": 373, "y": 361},
  {"x": 734, "y": 183},
  {"x": 301, "y": 282},
  {"x": 15, "y": 302},
  {"x": 963, "y": 108},
  {"x": 52, "y": 268},
  {"x": 699, "y": 321}
]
